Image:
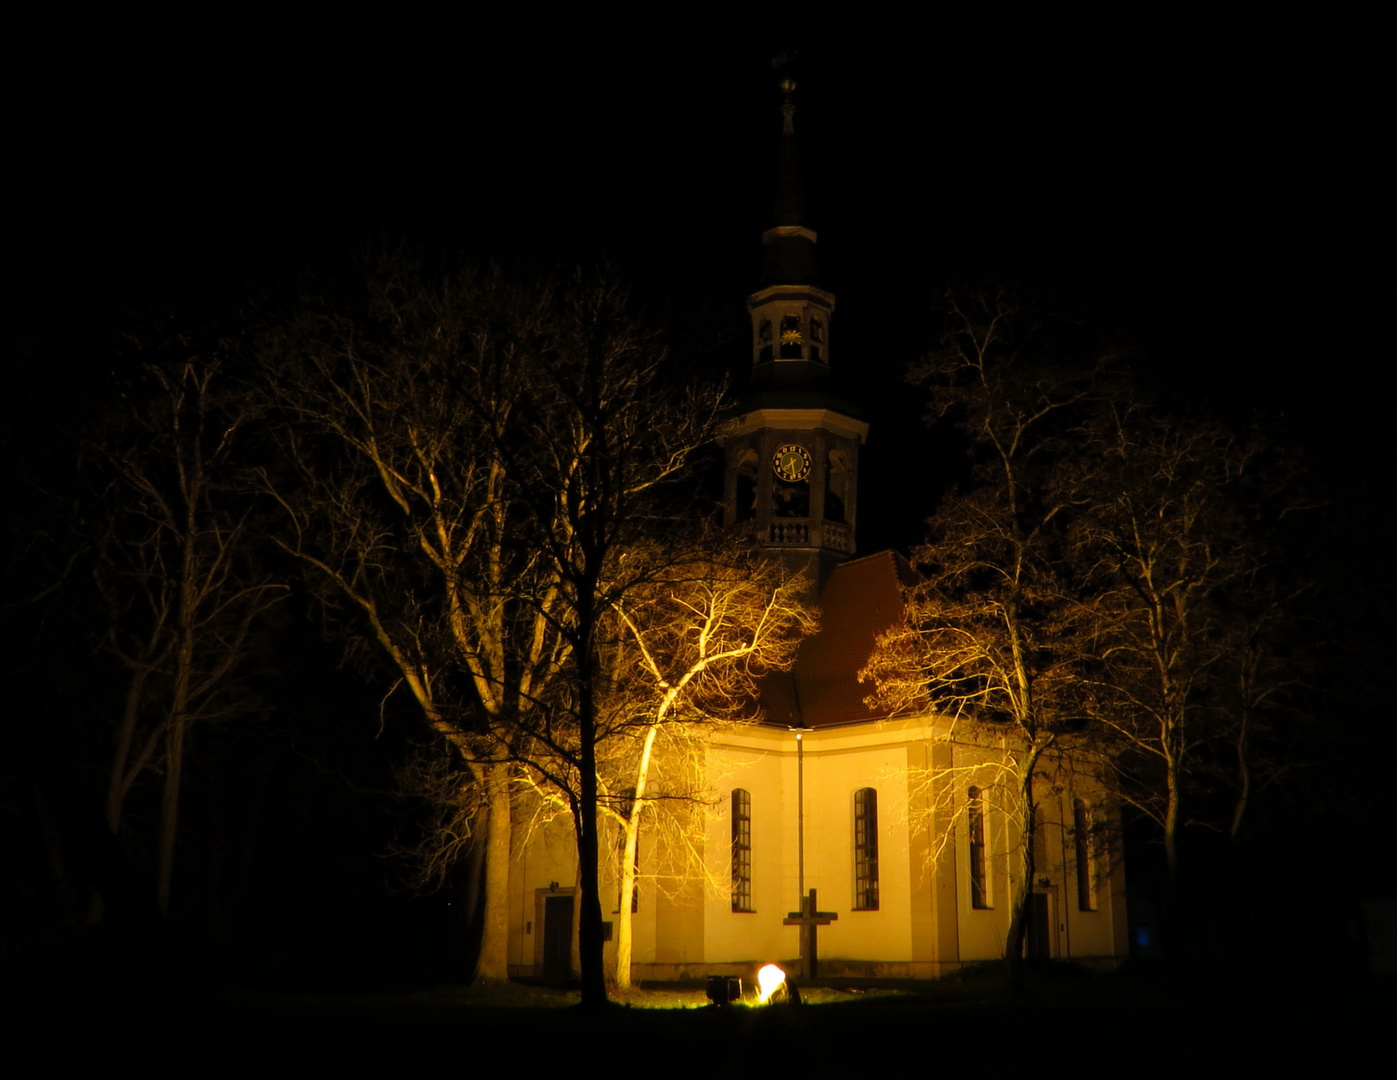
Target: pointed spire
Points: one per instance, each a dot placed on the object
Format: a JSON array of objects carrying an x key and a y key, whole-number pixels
[
  {"x": 790, "y": 192},
  {"x": 790, "y": 244},
  {"x": 792, "y": 457}
]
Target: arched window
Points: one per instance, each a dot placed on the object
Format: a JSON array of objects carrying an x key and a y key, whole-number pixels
[
  {"x": 764, "y": 342},
  {"x": 741, "y": 850},
  {"x": 1086, "y": 876},
  {"x": 866, "y": 849},
  {"x": 836, "y": 486},
  {"x": 791, "y": 344},
  {"x": 979, "y": 861},
  {"x": 746, "y": 470}
]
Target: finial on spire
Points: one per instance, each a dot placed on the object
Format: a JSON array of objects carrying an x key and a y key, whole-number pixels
[{"x": 787, "y": 83}]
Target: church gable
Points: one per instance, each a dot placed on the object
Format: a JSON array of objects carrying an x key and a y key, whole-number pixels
[{"x": 862, "y": 600}]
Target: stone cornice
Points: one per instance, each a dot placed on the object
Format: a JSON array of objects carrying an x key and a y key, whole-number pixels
[{"x": 802, "y": 420}]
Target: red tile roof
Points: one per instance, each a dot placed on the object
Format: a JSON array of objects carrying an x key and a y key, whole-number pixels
[{"x": 861, "y": 599}]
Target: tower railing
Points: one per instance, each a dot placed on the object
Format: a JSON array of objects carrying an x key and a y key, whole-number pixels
[{"x": 808, "y": 532}]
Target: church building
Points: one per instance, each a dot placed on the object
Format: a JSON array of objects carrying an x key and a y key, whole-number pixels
[{"x": 867, "y": 846}]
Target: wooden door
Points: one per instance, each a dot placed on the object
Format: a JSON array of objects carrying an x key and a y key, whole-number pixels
[
  {"x": 1040, "y": 928},
  {"x": 557, "y": 937}
]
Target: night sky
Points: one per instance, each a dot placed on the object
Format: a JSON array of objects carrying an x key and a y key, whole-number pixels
[
  {"x": 1198, "y": 198},
  {"x": 1205, "y": 192}
]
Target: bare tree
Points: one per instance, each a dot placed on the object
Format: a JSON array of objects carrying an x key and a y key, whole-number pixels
[
  {"x": 695, "y": 637},
  {"x": 991, "y": 628},
  {"x": 601, "y": 459},
  {"x": 396, "y": 499},
  {"x": 1164, "y": 551},
  {"x": 1177, "y": 549},
  {"x": 175, "y": 567},
  {"x": 475, "y": 461},
  {"x": 1266, "y": 678}
]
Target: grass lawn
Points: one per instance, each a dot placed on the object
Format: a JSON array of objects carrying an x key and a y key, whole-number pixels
[{"x": 1136, "y": 1022}]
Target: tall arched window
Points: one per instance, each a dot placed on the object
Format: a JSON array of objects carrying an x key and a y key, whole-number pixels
[
  {"x": 979, "y": 861},
  {"x": 866, "y": 849},
  {"x": 741, "y": 850}
]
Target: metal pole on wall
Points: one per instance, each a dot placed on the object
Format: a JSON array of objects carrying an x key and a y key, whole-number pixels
[{"x": 800, "y": 814}]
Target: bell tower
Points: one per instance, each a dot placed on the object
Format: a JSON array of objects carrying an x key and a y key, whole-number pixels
[{"x": 792, "y": 457}]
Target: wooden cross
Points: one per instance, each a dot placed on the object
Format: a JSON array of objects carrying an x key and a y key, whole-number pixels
[{"x": 809, "y": 918}]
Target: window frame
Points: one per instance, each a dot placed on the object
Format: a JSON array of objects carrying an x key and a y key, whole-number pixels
[
  {"x": 741, "y": 815},
  {"x": 981, "y": 897},
  {"x": 866, "y": 849},
  {"x": 790, "y": 338}
]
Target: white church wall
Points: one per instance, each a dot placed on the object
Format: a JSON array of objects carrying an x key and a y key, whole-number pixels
[
  {"x": 685, "y": 920},
  {"x": 983, "y": 927},
  {"x": 544, "y": 863},
  {"x": 839, "y": 763},
  {"x": 751, "y": 761}
]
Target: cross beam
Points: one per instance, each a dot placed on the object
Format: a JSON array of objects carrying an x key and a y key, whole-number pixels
[{"x": 809, "y": 918}]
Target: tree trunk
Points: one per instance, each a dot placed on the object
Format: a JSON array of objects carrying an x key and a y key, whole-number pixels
[
  {"x": 1239, "y": 808},
  {"x": 574, "y": 953},
  {"x": 1023, "y": 891},
  {"x": 493, "y": 962},
  {"x": 624, "y": 923},
  {"x": 470, "y": 922},
  {"x": 1171, "y": 915},
  {"x": 590, "y": 945},
  {"x": 169, "y": 809},
  {"x": 177, "y": 725},
  {"x": 1018, "y": 928},
  {"x": 622, "y": 979},
  {"x": 118, "y": 784},
  {"x": 176, "y": 733}
]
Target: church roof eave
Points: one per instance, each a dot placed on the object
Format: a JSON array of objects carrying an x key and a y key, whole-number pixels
[{"x": 816, "y": 410}]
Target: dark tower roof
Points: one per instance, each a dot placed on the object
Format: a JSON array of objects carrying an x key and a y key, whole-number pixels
[
  {"x": 792, "y": 453},
  {"x": 790, "y": 243}
]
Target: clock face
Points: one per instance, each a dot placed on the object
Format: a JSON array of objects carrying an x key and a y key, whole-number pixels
[{"x": 791, "y": 462}]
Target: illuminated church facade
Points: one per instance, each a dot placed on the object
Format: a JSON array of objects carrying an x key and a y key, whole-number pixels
[{"x": 896, "y": 824}]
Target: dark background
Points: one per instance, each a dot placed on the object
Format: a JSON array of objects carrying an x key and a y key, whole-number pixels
[{"x": 1205, "y": 192}]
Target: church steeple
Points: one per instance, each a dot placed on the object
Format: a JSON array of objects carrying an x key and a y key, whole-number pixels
[
  {"x": 791, "y": 314},
  {"x": 790, "y": 243},
  {"x": 792, "y": 462}
]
